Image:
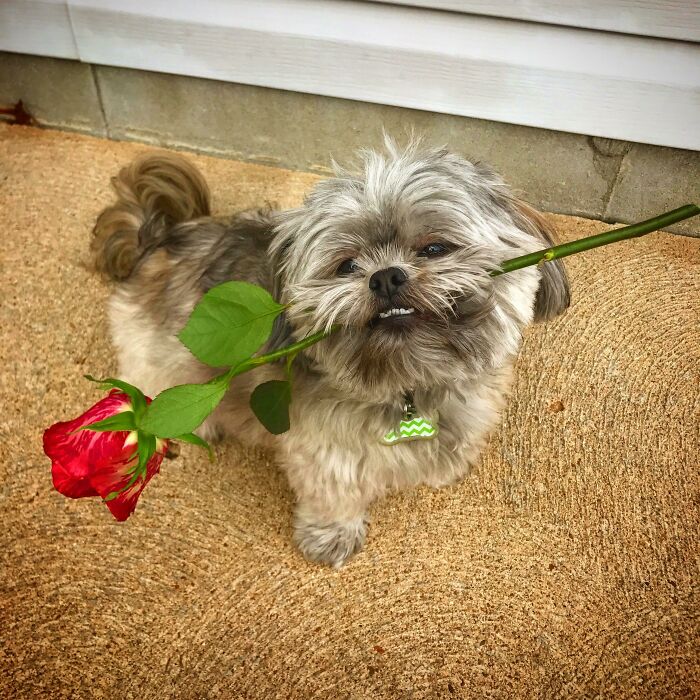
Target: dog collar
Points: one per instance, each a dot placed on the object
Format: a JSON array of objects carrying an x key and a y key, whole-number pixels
[{"x": 411, "y": 426}]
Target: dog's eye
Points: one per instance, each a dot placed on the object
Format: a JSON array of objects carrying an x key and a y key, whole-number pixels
[
  {"x": 347, "y": 267},
  {"x": 433, "y": 250}
]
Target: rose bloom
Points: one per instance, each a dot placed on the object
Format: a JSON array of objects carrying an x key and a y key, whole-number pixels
[{"x": 89, "y": 463}]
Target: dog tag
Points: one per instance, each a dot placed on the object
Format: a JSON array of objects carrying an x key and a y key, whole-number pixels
[{"x": 411, "y": 427}]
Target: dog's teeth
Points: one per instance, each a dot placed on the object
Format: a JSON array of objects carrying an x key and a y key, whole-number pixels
[{"x": 396, "y": 312}]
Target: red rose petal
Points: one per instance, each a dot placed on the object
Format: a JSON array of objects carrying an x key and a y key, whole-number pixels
[
  {"x": 74, "y": 455},
  {"x": 115, "y": 477}
]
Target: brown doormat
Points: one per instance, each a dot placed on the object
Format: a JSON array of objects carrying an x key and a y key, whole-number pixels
[{"x": 567, "y": 566}]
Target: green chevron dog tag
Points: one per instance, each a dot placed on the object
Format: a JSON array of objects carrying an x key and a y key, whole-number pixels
[
  {"x": 411, "y": 427},
  {"x": 415, "y": 429}
]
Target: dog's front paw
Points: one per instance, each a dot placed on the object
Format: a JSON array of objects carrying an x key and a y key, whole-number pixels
[{"x": 331, "y": 544}]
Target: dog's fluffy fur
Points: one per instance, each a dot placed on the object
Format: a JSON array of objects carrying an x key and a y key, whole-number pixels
[{"x": 161, "y": 245}]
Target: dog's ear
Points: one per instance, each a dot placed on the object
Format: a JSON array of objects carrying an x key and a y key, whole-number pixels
[{"x": 553, "y": 294}]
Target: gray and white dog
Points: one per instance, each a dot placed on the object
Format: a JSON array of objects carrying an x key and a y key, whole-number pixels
[{"x": 399, "y": 256}]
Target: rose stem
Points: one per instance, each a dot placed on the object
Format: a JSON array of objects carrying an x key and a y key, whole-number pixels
[{"x": 619, "y": 234}]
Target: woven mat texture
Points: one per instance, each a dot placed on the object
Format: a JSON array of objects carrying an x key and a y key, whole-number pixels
[{"x": 565, "y": 567}]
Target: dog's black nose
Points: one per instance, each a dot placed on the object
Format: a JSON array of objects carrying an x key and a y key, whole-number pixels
[{"x": 386, "y": 283}]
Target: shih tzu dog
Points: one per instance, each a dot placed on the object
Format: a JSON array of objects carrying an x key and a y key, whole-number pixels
[{"x": 398, "y": 254}]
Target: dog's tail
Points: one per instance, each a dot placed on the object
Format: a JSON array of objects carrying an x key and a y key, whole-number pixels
[{"x": 154, "y": 193}]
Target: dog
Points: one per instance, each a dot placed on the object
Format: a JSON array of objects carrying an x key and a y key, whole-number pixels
[{"x": 396, "y": 252}]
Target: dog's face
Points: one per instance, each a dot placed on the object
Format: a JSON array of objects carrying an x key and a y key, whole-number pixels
[{"x": 399, "y": 257}]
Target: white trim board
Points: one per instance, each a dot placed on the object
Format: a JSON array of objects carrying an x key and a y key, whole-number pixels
[
  {"x": 598, "y": 83},
  {"x": 670, "y": 19}
]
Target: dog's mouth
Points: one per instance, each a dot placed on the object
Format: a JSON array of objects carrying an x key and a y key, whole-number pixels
[
  {"x": 395, "y": 317},
  {"x": 405, "y": 316}
]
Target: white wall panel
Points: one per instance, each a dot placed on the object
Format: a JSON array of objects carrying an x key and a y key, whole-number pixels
[{"x": 39, "y": 27}]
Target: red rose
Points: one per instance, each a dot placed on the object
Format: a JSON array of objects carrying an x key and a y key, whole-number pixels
[{"x": 90, "y": 463}]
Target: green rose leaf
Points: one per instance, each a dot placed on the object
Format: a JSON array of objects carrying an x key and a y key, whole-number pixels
[
  {"x": 196, "y": 440},
  {"x": 138, "y": 400},
  {"x": 146, "y": 450},
  {"x": 183, "y": 408},
  {"x": 230, "y": 323},
  {"x": 119, "y": 421},
  {"x": 270, "y": 403}
]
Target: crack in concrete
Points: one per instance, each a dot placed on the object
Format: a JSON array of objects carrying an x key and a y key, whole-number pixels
[
  {"x": 100, "y": 101},
  {"x": 606, "y": 153}
]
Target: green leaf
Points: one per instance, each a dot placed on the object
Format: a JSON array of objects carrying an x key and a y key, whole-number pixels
[
  {"x": 146, "y": 450},
  {"x": 270, "y": 403},
  {"x": 138, "y": 399},
  {"x": 230, "y": 323},
  {"x": 196, "y": 440},
  {"x": 119, "y": 421},
  {"x": 183, "y": 408}
]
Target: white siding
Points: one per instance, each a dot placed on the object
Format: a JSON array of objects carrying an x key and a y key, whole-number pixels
[{"x": 584, "y": 81}]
